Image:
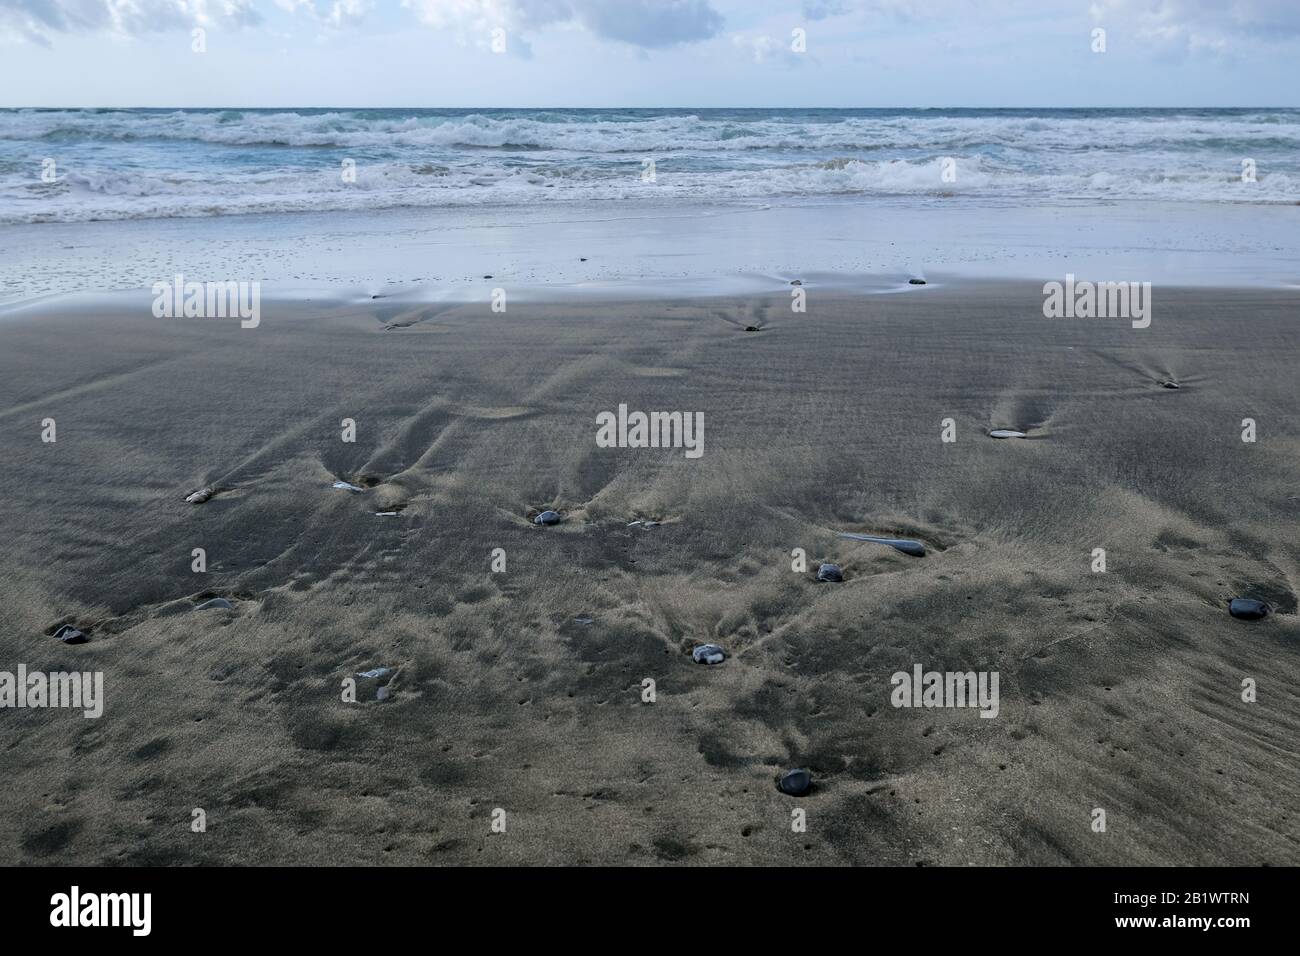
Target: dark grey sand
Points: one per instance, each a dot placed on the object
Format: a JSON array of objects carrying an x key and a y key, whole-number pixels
[{"x": 1119, "y": 691}]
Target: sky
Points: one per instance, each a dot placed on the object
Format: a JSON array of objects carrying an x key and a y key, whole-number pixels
[{"x": 648, "y": 53}]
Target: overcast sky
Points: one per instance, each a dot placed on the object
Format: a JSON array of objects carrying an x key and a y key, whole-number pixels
[{"x": 649, "y": 53}]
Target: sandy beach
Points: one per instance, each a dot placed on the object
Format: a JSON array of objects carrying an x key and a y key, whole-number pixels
[{"x": 523, "y": 690}]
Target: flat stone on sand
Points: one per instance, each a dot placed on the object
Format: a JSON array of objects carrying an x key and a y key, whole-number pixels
[
  {"x": 795, "y": 782},
  {"x": 198, "y": 497},
  {"x": 216, "y": 604},
  {"x": 347, "y": 486},
  {"x": 907, "y": 546},
  {"x": 548, "y": 517},
  {"x": 1168, "y": 384},
  {"x": 709, "y": 654},
  {"x": 70, "y": 635},
  {"x": 1248, "y": 609},
  {"x": 830, "y": 572},
  {"x": 916, "y": 282},
  {"x": 373, "y": 684},
  {"x": 1006, "y": 433}
]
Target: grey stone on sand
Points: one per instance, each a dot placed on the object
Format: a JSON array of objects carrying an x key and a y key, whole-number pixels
[
  {"x": 373, "y": 684},
  {"x": 709, "y": 654},
  {"x": 198, "y": 497},
  {"x": 795, "y": 782},
  {"x": 70, "y": 635},
  {"x": 347, "y": 486},
  {"x": 548, "y": 517},
  {"x": 830, "y": 572},
  {"x": 1169, "y": 384},
  {"x": 1248, "y": 609},
  {"x": 1006, "y": 433},
  {"x": 906, "y": 545},
  {"x": 216, "y": 604}
]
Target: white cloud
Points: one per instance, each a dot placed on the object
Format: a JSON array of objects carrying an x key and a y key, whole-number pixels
[
  {"x": 339, "y": 13},
  {"x": 765, "y": 49},
  {"x": 38, "y": 20},
  {"x": 643, "y": 23},
  {"x": 1198, "y": 26}
]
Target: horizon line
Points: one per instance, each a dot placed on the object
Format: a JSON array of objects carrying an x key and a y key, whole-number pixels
[{"x": 337, "y": 106}]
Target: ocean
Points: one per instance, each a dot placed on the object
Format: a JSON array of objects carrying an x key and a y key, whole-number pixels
[{"x": 106, "y": 164}]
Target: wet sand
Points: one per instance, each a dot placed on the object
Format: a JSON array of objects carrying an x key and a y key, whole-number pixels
[{"x": 1119, "y": 690}]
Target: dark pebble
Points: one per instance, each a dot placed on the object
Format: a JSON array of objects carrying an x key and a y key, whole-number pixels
[
  {"x": 795, "y": 782},
  {"x": 751, "y": 328},
  {"x": 70, "y": 635},
  {"x": 830, "y": 572},
  {"x": 548, "y": 517},
  {"x": 709, "y": 654},
  {"x": 1248, "y": 609},
  {"x": 1170, "y": 385},
  {"x": 916, "y": 282},
  {"x": 373, "y": 684}
]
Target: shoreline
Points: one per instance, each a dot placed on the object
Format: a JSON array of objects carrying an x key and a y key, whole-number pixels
[{"x": 672, "y": 249}]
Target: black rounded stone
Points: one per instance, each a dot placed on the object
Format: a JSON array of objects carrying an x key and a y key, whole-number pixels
[
  {"x": 709, "y": 654},
  {"x": 70, "y": 635},
  {"x": 795, "y": 782},
  {"x": 1248, "y": 609},
  {"x": 548, "y": 517},
  {"x": 916, "y": 282},
  {"x": 830, "y": 572}
]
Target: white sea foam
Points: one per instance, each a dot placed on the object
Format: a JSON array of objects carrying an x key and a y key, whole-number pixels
[{"x": 130, "y": 164}]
